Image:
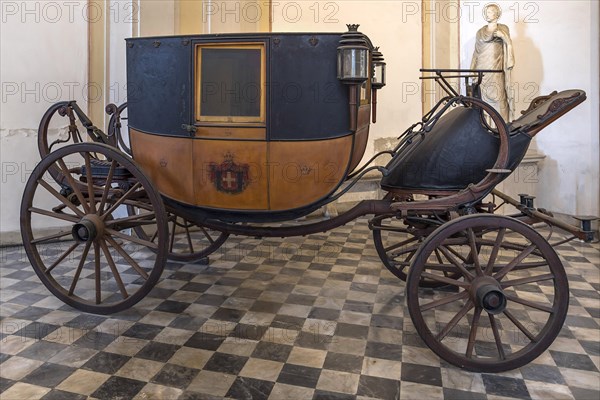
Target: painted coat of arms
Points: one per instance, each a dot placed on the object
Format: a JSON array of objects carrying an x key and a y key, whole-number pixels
[{"x": 229, "y": 177}]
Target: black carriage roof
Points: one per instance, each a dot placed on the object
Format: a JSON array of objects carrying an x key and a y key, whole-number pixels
[{"x": 236, "y": 35}]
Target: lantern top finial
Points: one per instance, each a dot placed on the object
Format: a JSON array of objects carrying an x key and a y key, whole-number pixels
[{"x": 352, "y": 27}]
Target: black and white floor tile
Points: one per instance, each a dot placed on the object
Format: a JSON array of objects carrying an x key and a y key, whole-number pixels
[{"x": 298, "y": 318}]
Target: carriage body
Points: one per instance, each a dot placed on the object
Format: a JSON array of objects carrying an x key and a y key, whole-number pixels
[
  {"x": 250, "y": 126},
  {"x": 261, "y": 128}
]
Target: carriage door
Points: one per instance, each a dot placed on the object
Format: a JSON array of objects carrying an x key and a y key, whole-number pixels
[{"x": 230, "y": 148}]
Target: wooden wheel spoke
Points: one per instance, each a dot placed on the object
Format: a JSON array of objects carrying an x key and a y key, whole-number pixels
[
  {"x": 50, "y": 237},
  {"x": 98, "y": 285},
  {"x": 445, "y": 268},
  {"x": 474, "y": 252},
  {"x": 456, "y": 253},
  {"x": 529, "y": 265},
  {"x": 519, "y": 325},
  {"x": 411, "y": 254},
  {"x": 127, "y": 257},
  {"x": 450, "y": 325},
  {"x": 408, "y": 258},
  {"x": 473, "y": 332},
  {"x": 90, "y": 182},
  {"x": 133, "y": 239},
  {"x": 509, "y": 246},
  {"x": 438, "y": 257},
  {"x": 411, "y": 250},
  {"x": 121, "y": 199},
  {"x": 144, "y": 219},
  {"x": 529, "y": 303},
  {"x": 443, "y": 279},
  {"x": 207, "y": 235},
  {"x": 67, "y": 174},
  {"x": 440, "y": 261},
  {"x": 494, "y": 254},
  {"x": 402, "y": 243},
  {"x": 61, "y": 258},
  {"x": 52, "y": 214},
  {"x": 84, "y": 255},
  {"x": 172, "y": 237},
  {"x": 497, "y": 338},
  {"x": 139, "y": 204},
  {"x": 154, "y": 236},
  {"x": 60, "y": 197},
  {"x": 107, "y": 186},
  {"x": 528, "y": 279},
  {"x": 189, "y": 238},
  {"x": 508, "y": 267},
  {"x": 113, "y": 268},
  {"x": 445, "y": 300},
  {"x": 445, "y": 251}
]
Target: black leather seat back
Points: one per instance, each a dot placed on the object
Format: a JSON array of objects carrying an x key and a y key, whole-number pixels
[{"x": 455, "y": 153}]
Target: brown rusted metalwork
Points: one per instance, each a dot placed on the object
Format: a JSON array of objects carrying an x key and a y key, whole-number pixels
[
  {"x": 365, "y": 207},
  {"x": 538, "y": 216}
]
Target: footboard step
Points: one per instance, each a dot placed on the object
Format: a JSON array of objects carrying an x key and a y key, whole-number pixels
[{"x": 498, "y": 171}]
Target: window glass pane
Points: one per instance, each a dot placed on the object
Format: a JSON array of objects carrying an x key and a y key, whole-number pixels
[{"x": 230, "y": 82}]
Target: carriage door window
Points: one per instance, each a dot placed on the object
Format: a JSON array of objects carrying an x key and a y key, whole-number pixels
[{"x": 230, "y": 81}]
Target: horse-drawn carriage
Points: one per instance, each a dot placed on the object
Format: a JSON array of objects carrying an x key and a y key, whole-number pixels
[{"x": 236, "y": 133}]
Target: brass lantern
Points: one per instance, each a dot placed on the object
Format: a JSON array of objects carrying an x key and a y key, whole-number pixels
[
  {"x": 353, "y": 57},
  {"x": 378, "y": 80}
]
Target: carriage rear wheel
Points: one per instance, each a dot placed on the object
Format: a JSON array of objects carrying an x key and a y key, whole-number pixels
[
  {"x": 77, "y": 235},
  {"x": 512, "y": 295},
  {"x": 187, "y": 241},
  {"x": 397, "y": 241}
]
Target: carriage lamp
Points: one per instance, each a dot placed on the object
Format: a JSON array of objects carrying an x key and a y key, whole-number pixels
[
  {"x": 378, "y": 80},
  {"x": 353, "y": 66},
  {"x": 353, "y": 57}
]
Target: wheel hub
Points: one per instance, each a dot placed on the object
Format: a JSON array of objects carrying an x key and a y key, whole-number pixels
[
  {"x": 88, "y": 229},
  {"x": 487, "y": 293}
]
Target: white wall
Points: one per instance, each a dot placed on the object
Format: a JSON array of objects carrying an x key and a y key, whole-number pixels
[
  {"x": 395, "y": 26},
  {"x": 43, "y": 59},
  {"x": 556, "y": 47}
]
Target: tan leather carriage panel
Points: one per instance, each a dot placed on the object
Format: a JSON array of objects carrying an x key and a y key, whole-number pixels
[
  {"x": 364, "y": 116},
  {"x": 212, "y": 132},
  {"x": 362, "y": 135},
  {"x": 230, "y": 174},
  {"x": 360, "y": 145},
  {"x": 166, "y": 161},
  {"x": 242, "y": 174},
  {"x": 302, "y": 172}
]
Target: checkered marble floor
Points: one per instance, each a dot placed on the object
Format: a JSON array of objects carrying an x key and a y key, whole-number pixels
[{"x": 296, "y": 318}]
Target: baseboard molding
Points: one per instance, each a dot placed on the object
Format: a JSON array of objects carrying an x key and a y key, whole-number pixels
[{"x": 11, "y": 238}]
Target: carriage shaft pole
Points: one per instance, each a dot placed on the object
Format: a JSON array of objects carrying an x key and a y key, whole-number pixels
[{"x": 539, "y": 216}]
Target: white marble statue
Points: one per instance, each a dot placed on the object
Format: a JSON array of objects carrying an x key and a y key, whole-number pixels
[{"x": 493, "y": 50}]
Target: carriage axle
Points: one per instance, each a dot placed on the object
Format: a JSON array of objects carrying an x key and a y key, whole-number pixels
[{"x": 487, "y": 293}]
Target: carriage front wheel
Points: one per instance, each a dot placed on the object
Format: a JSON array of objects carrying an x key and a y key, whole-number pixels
[
  {"x": 78, "y": 235},
  {"x": 509, "y": 303}
]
